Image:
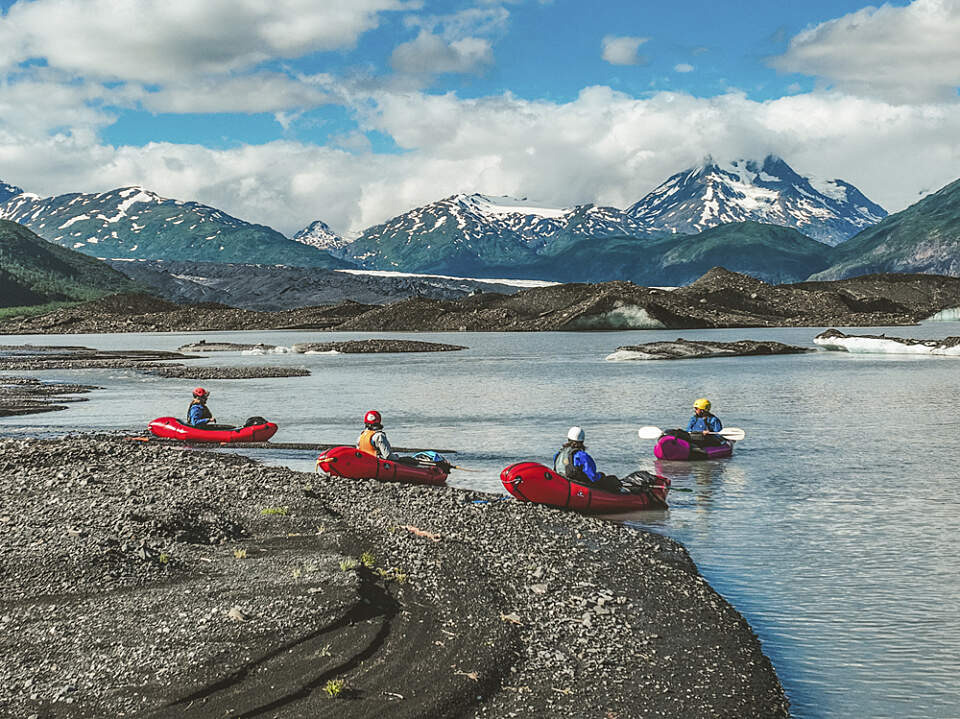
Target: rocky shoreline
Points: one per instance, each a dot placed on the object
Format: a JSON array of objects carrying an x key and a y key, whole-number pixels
[
  {"x": 26, "y": 395},
  {"x": 718, "y": 299},
  {"x": 151, "y": 581}
]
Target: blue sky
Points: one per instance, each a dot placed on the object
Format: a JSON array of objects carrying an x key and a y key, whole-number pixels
[{"x": 294, "y": 110}]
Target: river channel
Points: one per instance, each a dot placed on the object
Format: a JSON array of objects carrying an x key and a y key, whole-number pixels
[{"x": 834, "y": 529}]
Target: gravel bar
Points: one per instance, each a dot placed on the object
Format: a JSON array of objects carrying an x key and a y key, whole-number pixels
[{"x": 152, "y": 581}]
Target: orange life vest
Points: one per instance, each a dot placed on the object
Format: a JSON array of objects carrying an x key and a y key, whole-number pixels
[{"x": 364, "y": 444}]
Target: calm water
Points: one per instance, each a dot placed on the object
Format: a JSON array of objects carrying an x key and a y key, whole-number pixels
[{"x": 834, "y": 528}]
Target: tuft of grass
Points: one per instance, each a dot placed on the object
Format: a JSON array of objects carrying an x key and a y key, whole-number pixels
[
  {"x": 393, "y": 575},
  {"x": 368, "y": 560},
  {"x": 334, "y": 687},
  {"x": 349, "y": 563},
  {"x": 240, "y": 553},
  {"x": 281, "y": 511},
  {"x": 164, "y": 558},
  {"x": 297, "y": 572}
]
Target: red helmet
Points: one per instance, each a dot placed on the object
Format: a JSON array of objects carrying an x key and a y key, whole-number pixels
[
  {"x": 371, "y": 417},
  {"x": 200, "y": 392}
]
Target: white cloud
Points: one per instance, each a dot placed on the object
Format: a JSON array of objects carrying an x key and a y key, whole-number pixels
[
  {"x": 260, "y": 92},
  {"x": 604, "y": 147},
  {"x": 683, "y": 67},
  {"x": 167, "y": 40},
  {"x": 430, "y": 54},
  {"x": 903, "y": 54},
  {"x": 471, "y": 22},
  {"x": 623, "y": 50}
]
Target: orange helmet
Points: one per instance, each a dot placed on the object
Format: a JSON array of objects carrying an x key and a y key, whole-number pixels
[
  {"x": 371, "y": 417},
  {"x": 200, "y": 392}
]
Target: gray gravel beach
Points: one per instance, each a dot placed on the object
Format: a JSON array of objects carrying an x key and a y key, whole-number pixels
[{"x": 144, "y": 580}]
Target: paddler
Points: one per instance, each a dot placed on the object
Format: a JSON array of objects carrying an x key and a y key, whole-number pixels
[
  {"x": 573, "y": 462},
  {"x": 199, "y": 415},
  {"x": 703, "y": 421},
  {"x": 373, "y": 440}
]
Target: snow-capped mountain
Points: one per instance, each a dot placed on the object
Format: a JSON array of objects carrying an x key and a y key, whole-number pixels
[
  {"x": 462, "y": 233},
  {"x": 135, "y": 223},
  {"x": 713, "y": 194},
  {"x": 318, "y": 234},
  {"x": 8, "y": 191}
]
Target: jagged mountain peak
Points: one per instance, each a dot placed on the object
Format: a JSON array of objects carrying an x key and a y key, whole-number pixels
[
  {"x": 769, "y": 191},
  {"x": 318, "y": 234},
  {"x": 7, "y": 191}
]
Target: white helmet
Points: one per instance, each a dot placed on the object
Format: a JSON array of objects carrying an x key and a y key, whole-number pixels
[{"x": 575, "y": 434}]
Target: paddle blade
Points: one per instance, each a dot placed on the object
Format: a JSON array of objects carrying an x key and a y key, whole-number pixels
[
  {"x": 732, "y": 433},
  {"x": 649, "y": 432}
]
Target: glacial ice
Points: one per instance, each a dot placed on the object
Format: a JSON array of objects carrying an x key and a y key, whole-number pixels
[
  {"x": 951, "y": 314},
  {"x": 888, "y": 345},
  {"x": 627, "y": 317}
]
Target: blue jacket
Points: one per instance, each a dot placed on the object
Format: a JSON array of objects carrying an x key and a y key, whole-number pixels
[
  {"x": 706, "y": 423},
  {"x": 582, "y": 461},
  {"x": 198, "y": 415}
]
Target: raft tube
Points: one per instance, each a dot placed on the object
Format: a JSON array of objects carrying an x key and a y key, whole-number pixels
[
  {"x": 533, "y": 482},
  {"x": 351, "y": 463},
  {"x": 676, "y": 444},
  {"x": 172, "y": 428}
]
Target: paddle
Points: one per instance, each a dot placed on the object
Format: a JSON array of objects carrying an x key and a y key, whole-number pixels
[{"x": 734, "y": 434}]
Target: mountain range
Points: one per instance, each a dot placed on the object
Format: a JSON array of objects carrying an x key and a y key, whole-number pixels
[
  {"x": 758, "y": 218},
  {"x": 484, "y": 236},
  {"x": 134, "y": 223}
]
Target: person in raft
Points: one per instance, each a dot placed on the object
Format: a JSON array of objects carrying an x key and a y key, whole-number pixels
[
  {"x": 373, "y": 440},
  {"x": 573, "y": 462},
  {"x": 703, "y": 421},
  {"x": 199, "y": 415}
]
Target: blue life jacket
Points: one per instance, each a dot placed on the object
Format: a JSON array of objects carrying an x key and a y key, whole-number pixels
[
  {"x": 198, "y": 415},
  {"x": 576, "y": 465},
  {"x": 706, "y": 423}
]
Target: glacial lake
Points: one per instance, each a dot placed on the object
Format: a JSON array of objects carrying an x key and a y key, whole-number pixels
[{"x": 834, "y": 529}]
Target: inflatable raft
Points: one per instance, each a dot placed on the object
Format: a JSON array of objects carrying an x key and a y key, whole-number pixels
[
  {"x": 676, "y": 444},
  {"x": 172, "y": 428},
  {"x": 533, "y": 482},
  {"x": 351, "y": 463}
]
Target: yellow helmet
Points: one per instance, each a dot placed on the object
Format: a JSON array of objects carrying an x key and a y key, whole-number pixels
[{"x": 702, "y": 403}]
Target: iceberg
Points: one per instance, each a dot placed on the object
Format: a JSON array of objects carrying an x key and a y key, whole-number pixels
[{"x": 836, "y": 341}]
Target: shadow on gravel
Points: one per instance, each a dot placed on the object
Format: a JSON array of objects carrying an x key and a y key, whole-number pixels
[{"x": 281, "y": 669}]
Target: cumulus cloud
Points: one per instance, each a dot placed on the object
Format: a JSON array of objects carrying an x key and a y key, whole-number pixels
[
  {"x": 903, "y": 54},
  {"x": 604, "y": 146},
  {"x": 259, "y": 92},
  {"x": 431, "y": 54},
  {"x": 683, "y": 67},
  {"x": 623, "y": 50},
  {"x": 156, "y": 41}
]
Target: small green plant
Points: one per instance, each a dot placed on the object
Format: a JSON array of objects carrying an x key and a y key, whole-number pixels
[
  {"x": 325, "y": 651},
  {"x": 297, "y": 572},
  {"x": 164, "y": 558},
  {"x": 334, "y": 687},
  {"x": 240, "y": 553},
  {"x": 349, "y": 563},
  {"x": 281, "y": 511},
  {"x": 392, "y": 575},
  {"x": 368, "y": 560}
]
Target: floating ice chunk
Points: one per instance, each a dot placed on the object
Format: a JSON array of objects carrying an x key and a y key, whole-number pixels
[
  {"x": 836, "y": 341},
  {"x": 625, "y": 355}
]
